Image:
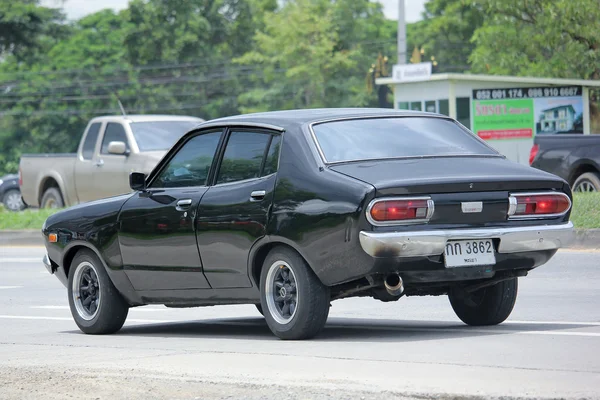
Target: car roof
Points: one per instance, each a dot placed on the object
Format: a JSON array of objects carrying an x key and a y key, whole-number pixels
[
  {"x": 148, "y": 118},
  {"x": 289, "y": 118}
]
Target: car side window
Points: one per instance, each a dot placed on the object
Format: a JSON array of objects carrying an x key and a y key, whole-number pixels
[
  {"x": 89, "y": 144},
  {"x": 114, "y": 132},
  {"x": 243, "y": 157},
  {"x": 190, "y": 166},
  {"x": 272, "y": 156}
]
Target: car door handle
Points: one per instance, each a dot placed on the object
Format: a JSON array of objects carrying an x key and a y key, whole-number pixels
[
  {"x": 99, "y": 163},
  {"x": 184, "y": 203},
  {"x": 257, "y": 195}
]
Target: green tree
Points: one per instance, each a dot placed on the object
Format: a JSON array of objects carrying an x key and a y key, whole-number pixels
[
  {"x": 316, "y": 53},
  {"x": 23, "y": 25},
  {"x": 446, "y": 31},
  {"x": 552, "y": 38}
]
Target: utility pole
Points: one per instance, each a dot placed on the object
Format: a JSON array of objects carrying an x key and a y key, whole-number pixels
[{"x": 401, "y": 33}]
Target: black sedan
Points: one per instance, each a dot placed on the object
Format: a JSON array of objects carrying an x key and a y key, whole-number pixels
[
  {"x": 290, "y": 210},
  {"x": 10, "y": 193}
]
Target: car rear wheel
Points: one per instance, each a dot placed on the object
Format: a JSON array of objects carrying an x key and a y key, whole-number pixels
[
  {"x": 96, "y": 305},
  {"x": 588, "y": 182},
  {"x": 294, "y": 301},
  {"x": 487, "y": 306},
  {"x": 52, "y": 199},
  {"x": 12, "y": 200}
]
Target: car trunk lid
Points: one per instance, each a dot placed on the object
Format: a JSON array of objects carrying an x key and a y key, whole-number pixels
[{"x": 465, "y": 190}]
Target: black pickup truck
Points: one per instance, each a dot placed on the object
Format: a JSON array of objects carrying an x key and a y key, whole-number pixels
[{"x": 575, "y": 158}]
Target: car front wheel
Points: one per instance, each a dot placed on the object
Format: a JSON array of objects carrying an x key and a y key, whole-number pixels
[
  {"x": 12, "y": 200},
  {"x": 96, "y": 305},
  {"x": 487, "y": 306},
  {"x": 294, "y": 301}
]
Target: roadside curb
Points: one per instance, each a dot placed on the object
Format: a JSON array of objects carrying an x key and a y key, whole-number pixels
[
  {"x": 586, "y": 239},
  {"x": 28, "y": 237}
]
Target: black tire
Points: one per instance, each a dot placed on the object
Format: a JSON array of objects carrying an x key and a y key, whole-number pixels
[
  {"x": 487, "y": 306},
  {"x": 12, "y": 200},
  {"x": 588, "y": 182},
  {"x": 111, "y": 310},
  {"x": 312, "y": 297},
  {"x": 52, "y": 199}
]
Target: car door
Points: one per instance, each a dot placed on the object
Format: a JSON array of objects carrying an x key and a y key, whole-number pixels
[
  {"x": 85, "y": 167},
  {"x": 234, "y": 211},
  {"x": 157, "y": 226},
  {"x": 111, "y": 175}
]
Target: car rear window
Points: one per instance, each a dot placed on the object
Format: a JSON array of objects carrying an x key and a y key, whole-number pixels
[{"x": 378, "y": 138}]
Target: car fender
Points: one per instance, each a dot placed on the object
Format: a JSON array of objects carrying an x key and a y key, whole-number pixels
[
  {"x": 117, "y": 276},
  {"x": 269, "y": 241}
]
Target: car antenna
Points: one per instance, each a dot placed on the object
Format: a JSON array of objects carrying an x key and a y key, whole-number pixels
[{"x": 120, "y": 105}]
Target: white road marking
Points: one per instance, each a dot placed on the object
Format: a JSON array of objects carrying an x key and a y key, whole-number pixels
[
  {"x": 43, "y": 317},
  {"x": 20, "y": 260},
  {"x": 10, "y": 287},
  {"x": 552, "y": 323},
  {"x": 135, "y": 309},
  {"x": 399, "y": 328}
]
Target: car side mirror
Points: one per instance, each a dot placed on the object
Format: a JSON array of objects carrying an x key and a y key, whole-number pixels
[
  {"x": 137, "y": 181},
  {"x": 118, "y": 148}
]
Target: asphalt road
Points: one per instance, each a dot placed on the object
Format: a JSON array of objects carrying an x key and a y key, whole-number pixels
[{"x": 414, "y": 348}]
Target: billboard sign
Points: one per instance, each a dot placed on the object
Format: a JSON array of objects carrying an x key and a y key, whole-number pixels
[{"x": 521, "y": 113}]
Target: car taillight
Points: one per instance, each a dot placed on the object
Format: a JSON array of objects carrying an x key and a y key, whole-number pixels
[
  {"x": 537, "y": 205},
  {"x": 400, "y": 210},
  {"x": 533, "y": 152}
]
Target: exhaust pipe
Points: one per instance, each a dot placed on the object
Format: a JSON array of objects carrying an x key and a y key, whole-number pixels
[{"x": 394, "y": 285}]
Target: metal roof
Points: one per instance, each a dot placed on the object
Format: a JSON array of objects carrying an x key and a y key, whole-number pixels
[{"x": 496, "y": 78}]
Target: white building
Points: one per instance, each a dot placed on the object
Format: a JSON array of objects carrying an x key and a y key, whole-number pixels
[{"x": 506, "y": 111}]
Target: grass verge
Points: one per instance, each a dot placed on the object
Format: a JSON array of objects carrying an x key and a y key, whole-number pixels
[
  {"x": 586, "y": 210},
  {"x": 585, "y": 214},
  {"x": 27, "y": 219}
]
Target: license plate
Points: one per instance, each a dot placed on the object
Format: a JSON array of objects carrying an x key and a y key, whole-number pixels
[{"x": 462, "y": 253}]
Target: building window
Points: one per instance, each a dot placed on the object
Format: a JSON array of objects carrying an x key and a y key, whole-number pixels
[
  {"x": 443, "y": 107},
  {"x": 416, "y": 106},
  {"x": 430, "y": 106},
  {"x": 403, "y": 105},
  {"x": 463, "y": 111}
]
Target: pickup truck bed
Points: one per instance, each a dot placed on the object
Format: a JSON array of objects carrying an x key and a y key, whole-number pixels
[{"x": 575, "y": 158}]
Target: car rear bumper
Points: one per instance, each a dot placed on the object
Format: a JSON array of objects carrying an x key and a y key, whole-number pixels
[{"x": 432, "y": 243}]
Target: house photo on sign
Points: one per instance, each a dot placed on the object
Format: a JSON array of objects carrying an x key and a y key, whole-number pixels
[{"x": 521, "y": 113}]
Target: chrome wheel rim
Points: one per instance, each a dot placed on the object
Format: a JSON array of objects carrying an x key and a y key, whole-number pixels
[
  {"x": 585, "y": 186},
  {"x": 281, "y": 292},
  {"x": 86, "y": 291},
  {"x": 13, "y": 201}
]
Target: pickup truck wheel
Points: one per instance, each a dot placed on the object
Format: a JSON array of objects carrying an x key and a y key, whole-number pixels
[
  {"x": 96, "y": 305},
  {"x": 12, "y": 200},
  {"x": 487, "y": 306},
  {"x": 588, "y": 182},
  {"x": 294, "y": 301},
  {"x": 52, "y": 199}
]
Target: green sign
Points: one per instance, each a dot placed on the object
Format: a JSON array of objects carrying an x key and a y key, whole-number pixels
[
  {"x": 522, "y": 112},
  {"x": 503, "y": 119}
]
